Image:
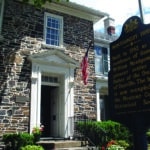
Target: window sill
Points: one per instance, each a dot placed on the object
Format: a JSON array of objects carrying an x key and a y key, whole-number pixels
[
  {"x": 52, "y": 47},
  {"x": 102, "y": 76}
]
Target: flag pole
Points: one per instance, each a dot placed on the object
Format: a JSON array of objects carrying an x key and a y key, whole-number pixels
[
  {"x": 90, "y": 44},
  {"x": 141, "y": 10}
]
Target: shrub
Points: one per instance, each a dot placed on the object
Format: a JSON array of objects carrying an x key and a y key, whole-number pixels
[
  {"x": 116, "y": 130},
  {"x": 25, "y": 139},
  {"x": 102, "y": 132},
  {"x": 32, "y": 147},
  {"x": 93, "y": 131},
  {"x": 10, "y": 140},
  {"x": 123, "y": 143},
  {"x": 115, "y": 147},
  {"x": 14, "y": 141}
]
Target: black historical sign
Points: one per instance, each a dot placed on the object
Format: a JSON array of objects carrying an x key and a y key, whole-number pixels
[
  {"x": 129, "y": 79},
  {"x": 130, "y": 69}
]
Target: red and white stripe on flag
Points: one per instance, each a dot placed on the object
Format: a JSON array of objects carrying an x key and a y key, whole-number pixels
[{"x": 84, "y": 67}]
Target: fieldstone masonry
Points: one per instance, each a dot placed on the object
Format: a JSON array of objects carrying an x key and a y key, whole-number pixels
[{"x": 23, "y": 34}]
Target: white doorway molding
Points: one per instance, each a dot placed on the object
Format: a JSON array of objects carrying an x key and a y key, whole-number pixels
[{"x": 53, "y": 62}]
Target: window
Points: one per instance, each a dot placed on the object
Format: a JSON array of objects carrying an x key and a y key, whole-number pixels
[
  {"x": 1, "y": 13},
  {"x": 49, "y": 79},
  {"x": 53, "y": 30},
  {"x": 101, "y": 60},
  {"x": 102, "y": 109}
]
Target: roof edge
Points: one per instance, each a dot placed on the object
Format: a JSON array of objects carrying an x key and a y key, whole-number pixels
[{"x": 74, "y": 9}]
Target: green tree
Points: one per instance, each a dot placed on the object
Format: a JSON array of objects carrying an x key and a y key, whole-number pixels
[{"x": 39, "y": 3}]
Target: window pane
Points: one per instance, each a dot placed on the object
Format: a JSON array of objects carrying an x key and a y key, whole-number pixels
[
  {"x": 52, "y": 42},
  {"x": 48, "y": 31},
  {"x": 105, "y": 59},
  {"x": 105, "y": 66},
  {"x": 57, "y": 25},
  {"x": 98, "y": 65},
  {"x": 101, "y": 59},
  {"x": 53, "y": 30},
  {"x": 102, "y": 109},
  {"x": 47, "y": 41},
  {"x": 98, "y": 50},
  {"x": 52, "y": 37},
  {"x": 105, "y": 53},
  {"x": 48, "y": 36}
]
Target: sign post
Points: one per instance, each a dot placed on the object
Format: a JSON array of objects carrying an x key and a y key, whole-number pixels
[{"x": 129, "y": 79}]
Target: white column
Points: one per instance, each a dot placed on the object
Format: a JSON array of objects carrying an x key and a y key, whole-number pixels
[
  {"x": 98, "y": 103},
  {"x": 34, "y": 97},
  {"x": 71, "y": 102},
  {"x": 38, "y": 112}
]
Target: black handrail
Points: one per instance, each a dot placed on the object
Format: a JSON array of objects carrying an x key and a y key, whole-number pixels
[{"x": 77, "y": 134}]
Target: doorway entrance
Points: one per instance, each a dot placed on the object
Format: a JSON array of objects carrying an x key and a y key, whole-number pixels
[
  {"x": 49, "y": 110},
  {"x": 52, "y": 92}
]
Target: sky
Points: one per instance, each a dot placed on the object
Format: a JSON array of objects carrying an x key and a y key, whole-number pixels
[{"x": 120, "y": 10}]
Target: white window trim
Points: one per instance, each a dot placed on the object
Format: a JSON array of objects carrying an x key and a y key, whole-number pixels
[
  {"x": 1, "y": 17},
  {"x": 101, "y": 57},
  {"x": 103, "y": 61},
  {"x": 100, "y": 71},
  {"x": 44, "y": 45},
  {"x": 99, "y": 86},
  {"x": 61, "y": 35}
]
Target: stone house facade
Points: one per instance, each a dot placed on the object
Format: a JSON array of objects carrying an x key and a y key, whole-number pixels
[{"x": 40, "y": 76}]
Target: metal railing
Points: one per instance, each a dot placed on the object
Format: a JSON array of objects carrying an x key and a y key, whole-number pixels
[
  {"x": 104, "y": 36},
  {"x": 76, "y": 133}
]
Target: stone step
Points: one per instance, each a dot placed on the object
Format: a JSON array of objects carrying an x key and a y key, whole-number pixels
[
  {"x": 62, "y": 144},
  {"x": 77, "y": 148}
]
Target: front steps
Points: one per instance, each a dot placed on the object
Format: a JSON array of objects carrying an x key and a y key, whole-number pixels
[
  {"x": 64, "y": 145},
  {"x": 60, "y": 144},
  {"x": 77, "y": 148}
]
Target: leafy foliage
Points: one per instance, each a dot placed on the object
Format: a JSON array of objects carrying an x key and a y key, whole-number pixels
[
  {"x": 39, "y": 3},
  {"x": 115, "y": 130},
  {"x": 37, "y": 130},
  {"x": 120, "y": 145},
  {"x": 14, "y": 141},
  {"x": 115, "y": 147},
  {"x": 93, "y": 131},
  {"x": 123, "y": 143},
  {"x": 103, "y": 132}
]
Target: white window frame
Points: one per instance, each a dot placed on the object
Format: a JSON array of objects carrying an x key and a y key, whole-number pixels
[
  {"x": 98, "y": 68},
  {"x": 101, "y": 70},
  {"x": 1, "y": 15},
  {"x": 103, "y": 62},
  {"x": 61, "y": 29}
]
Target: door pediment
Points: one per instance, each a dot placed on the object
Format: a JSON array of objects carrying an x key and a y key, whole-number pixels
[
  {"x": 53, "y": 64},
  {"x": 55, "y": 57}
]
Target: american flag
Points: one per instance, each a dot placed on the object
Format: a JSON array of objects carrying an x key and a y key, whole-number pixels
[{"x": 84, "y": 65}]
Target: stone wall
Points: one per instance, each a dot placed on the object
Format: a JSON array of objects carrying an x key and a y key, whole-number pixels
[{"x": 23, "y": 33}]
